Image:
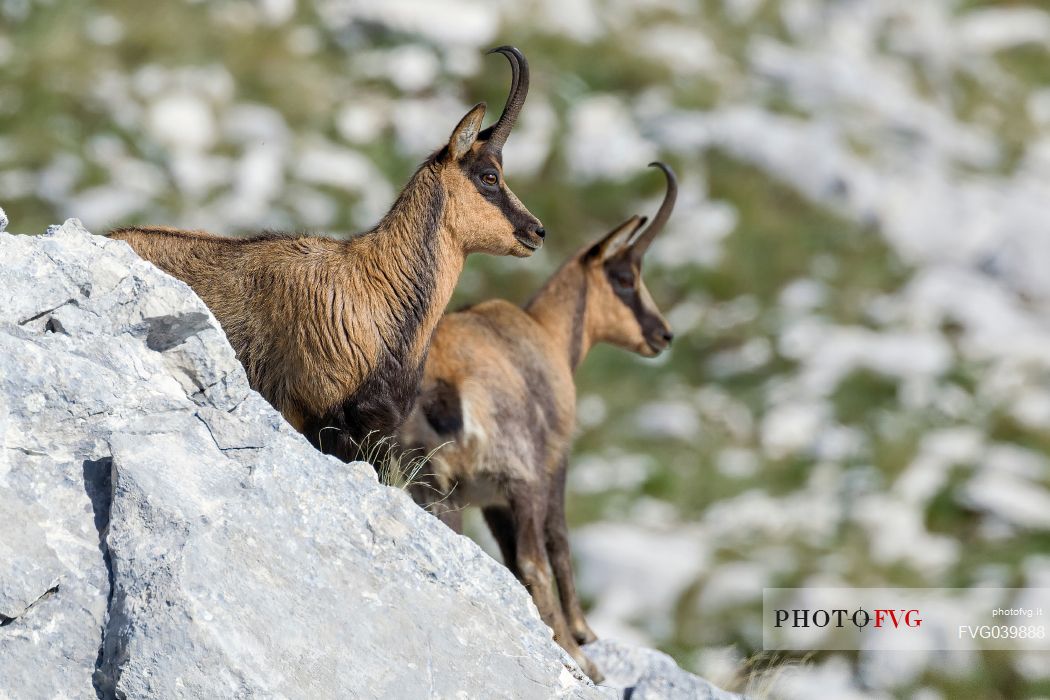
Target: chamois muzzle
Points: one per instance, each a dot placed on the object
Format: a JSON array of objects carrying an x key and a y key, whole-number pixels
[
  {"x": 496, "y": 135},
  {"x": 532, "y": 237},
  {"x": 642, "y": 240},
  {"x": 659, "y": 339}
]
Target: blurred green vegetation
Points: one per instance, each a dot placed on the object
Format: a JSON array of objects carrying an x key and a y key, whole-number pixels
[{"x": 61, "y": 90}]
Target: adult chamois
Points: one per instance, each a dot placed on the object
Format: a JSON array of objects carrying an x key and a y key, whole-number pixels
[
  {"x": 335, "y": 333},
  {"x": 498, "y": 405}
]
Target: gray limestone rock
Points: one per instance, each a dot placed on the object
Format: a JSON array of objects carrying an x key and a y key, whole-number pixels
[
  {"x": 167, "y": 534},
  {"x": 646, "y": 674}
]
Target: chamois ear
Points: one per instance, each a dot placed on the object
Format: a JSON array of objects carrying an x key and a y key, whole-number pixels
[
  {"x": 616, "y": 240},
  {"x": 466, "y": 132}
]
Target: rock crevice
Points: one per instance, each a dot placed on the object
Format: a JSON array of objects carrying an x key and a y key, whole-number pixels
[{"x": 5, "y": 620}]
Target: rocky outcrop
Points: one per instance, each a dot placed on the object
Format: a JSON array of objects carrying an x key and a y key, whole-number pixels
[
  {"x": 646, "y": 674},
  {"x": 166, "y": 534}
]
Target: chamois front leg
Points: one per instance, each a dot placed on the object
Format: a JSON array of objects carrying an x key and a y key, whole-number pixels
[
  {"x": 427, "y": 492},
  {"x": 453, "y": 518},
  {"x": 561, "y": 559},
  {"x": 528, "y": 512}
]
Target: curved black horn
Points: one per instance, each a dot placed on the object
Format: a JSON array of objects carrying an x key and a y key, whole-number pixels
[
  {"x": 496, "y": 135},
  {"x": 642, "y": 240}
]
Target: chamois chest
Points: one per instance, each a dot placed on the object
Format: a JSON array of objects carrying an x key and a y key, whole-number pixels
[{"x": 377, "y": 408}]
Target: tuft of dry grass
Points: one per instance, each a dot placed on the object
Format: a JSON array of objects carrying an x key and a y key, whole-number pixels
[
  {"x": 759, "y": 677},
  {"x": 402, "y": 468}
]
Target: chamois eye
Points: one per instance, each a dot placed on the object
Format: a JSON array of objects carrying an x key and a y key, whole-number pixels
[
  {"x": 490, "y": 179},
  {"x": 623, "y": 282}
]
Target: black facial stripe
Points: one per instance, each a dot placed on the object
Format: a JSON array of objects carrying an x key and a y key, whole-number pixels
[
  {"x": 519, "y": 218},
  {"x": 616, "y": 267},
  {"x": 473, "y": 168}
]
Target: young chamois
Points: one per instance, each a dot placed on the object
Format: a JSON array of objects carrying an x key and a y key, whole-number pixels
[
  {"x": 498, "y": 389},
  {"x": 335, "y": 333}
]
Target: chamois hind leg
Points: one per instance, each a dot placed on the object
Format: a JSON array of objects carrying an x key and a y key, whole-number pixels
[
  {"x": 561, "y": 559},
  {"x": 501, "y": 525},
  {"x": 528, "y": 512}
]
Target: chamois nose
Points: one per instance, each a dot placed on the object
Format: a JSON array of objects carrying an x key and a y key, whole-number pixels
[
  {"x": 668, "y": 336},
  {"x": 541, "y": 232}
]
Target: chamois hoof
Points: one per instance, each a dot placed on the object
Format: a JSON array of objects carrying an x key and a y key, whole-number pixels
[
  {"x": 583, "y": 634},
  {"x": 589, "y": 667},
  {"x": 586, "y": 665}
]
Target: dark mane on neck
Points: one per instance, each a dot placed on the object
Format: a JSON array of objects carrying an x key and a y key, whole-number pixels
[
  {"x": 567, "y": 290},
  {"x": 406, "y": 253}
]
